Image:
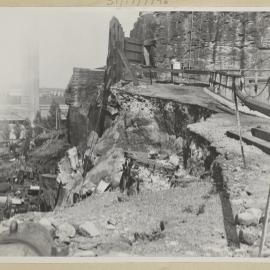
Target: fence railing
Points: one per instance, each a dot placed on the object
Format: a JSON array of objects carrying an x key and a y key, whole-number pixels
[
  {"x": 255, "y": 95},
  {"x": 248, "y": 85}
]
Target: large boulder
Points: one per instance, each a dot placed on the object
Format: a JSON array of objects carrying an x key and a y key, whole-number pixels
[
  {"x": 48, "y": 224},
  {"x": 108, "y": 168},
  {"x": 72, "y": 184},
  {"x": 88, "y": 229},
  {"x": 248, "y": 236},
  {"x": 249, "y": 217},
  {"x": 65, "y": 231}
]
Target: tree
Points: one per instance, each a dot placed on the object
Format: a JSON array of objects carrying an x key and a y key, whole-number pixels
[
  {"x": 5, "y": 131},
  {"x": 28, "y": 136},
  {"x": 38, "y": 122},
  {"x": 17, "y": 129},
  {"x": 53, "y": 118}
]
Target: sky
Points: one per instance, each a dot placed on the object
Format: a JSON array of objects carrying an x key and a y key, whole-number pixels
[{"x": 66, "y": 37}]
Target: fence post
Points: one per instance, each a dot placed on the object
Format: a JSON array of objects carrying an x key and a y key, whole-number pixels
[
  {"x": 226, "y": 86},
  {"x": 210, "y": 80},
  {"x": 256, "y": 82},
  {"x": 266, "y": 216},
  {"x": 215, "y": 79},
  {"x": 220, "y": 80},
  {"x": 238, "y": 121}
]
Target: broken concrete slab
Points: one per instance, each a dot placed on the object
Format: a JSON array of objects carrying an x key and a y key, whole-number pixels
[
  {"x": 109, "y": 166},
  {"x": 88, "y": 229},
  {"x": 102, "y": 186},
  {"x": 73, "y": 158}
]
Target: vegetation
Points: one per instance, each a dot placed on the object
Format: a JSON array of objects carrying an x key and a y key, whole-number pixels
[
  {"x": 38, "y": 122},
  {"x": 51, "y": 122},
  {"x": 5, "y": 131}
]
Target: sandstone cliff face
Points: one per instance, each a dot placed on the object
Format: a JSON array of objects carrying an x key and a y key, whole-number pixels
[{"x": 220, "y": 40}]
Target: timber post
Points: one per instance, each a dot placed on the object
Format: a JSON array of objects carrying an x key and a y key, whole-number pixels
[{"x": 238, "y": 122}]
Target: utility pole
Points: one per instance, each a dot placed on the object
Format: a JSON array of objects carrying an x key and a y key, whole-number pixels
[
  {"x": 199, "y": 51},
  {"x": 56, "y": 116},
  {"x": 190, "y": 40}
]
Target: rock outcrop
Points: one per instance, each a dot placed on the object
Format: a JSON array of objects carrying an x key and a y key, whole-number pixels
[{"x": 83, "y": 96}]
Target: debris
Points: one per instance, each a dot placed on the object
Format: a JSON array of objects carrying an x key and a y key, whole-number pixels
[
  {"x": 47, "y": 223},
  {"x": 248, "y": 203},
  {"x": 112, "y": 221},
  {"x": 112, "y": 111},
  {"x": 85, "y": 253},
  {"x": 237, "y": 169},
  {"x": 188, "y": 209},
  {"x": 92, "y": 139},
  {"x": 88, "y": 246},
  {"x": 250, "y": 217},
  {"x": 3, "y": 229},
  {"x": 247, "y": 236},
  {"x": 229, "y": 156},
  {"x": 122, "y": 198},
  {"x": 162, "y": 225},
  {"x": 173, "y": 243},
  {"x": 174, "y": 160},
  {"x": 163, "y": 156},
  {"x": 4, "y": 187},
  {"x": 155, "y": 235},
  {"x": 201, "y": 209},
  {"x": 266, "y": 253},
  {"x": 88, "y": 229},
  {"x": 110, "y": 227},
  {"x": 248, "y": 191},
  {"x": 65, "y": 231},
  {"x": 60, "y": 251},
  {"x": 182, "y": 182},
  {"x": 102, "y": 186},
  {"x": 153, "y": 154},
  {"x": 73, "y": 158}
]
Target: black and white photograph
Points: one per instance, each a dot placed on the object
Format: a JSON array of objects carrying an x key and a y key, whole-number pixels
[{"x": 134, "y": 133}]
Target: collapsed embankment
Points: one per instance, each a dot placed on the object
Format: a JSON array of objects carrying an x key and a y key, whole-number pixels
[
  {"x": 145, "y": 130},
  {"x": 162, "y": 171}
]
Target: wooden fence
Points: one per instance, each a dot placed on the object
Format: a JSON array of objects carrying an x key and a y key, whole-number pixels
[{"x": 230, "y": 84}]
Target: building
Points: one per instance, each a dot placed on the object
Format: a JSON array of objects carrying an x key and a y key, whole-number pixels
[{"x": 46, "y": 97}]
